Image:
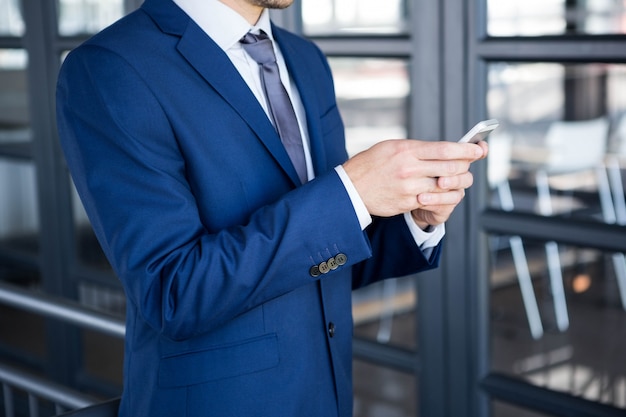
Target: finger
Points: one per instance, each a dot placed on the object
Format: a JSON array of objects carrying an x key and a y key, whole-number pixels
[
  {"x": 464, "y": 180},
  {"x": 485, "y": 147},
  {"x": 446, "y": 151},
  {"x": 438, "y": 168},
  {"x": 447, "y": 198},
  {"x": 433, "y": 215}
]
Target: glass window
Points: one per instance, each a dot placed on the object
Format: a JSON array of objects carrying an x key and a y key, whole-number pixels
[
  {"x": 22, "y": 333},
  {"x": 11, "y": 22},
  {"x": 19, "y": 217},
  {"x": 561, "y": 146},
  {"x": 80, "y": 17},
  {"x": 327, "y": 17},
  {"x": 104, "y": 364},
  {"x": 380, "y": 391},
  {"x": 500, "y": 409},
  {"x": 385, "y": 312},
  {"x": 372, "y": 95},
  {"x": 556, "y": 17},
  {"x": 88, "y": 248},
  {"x": 109, "y": 299},
  {"x": 14, "y": 113},
  {"x": 558, "y": 317}
]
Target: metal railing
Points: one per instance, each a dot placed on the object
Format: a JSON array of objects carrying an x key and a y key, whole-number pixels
[
  {"x": 36, "y": 387},
  {"x": 61, "y": 309}
]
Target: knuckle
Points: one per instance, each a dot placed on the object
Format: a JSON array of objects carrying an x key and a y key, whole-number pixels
[{"x": 404, "y": 172}]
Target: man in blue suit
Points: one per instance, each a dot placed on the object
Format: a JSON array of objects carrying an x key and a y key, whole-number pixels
[{"x": 237, "y": 275}]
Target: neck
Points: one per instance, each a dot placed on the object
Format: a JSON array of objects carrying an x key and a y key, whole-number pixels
[{"x": 249, "y": 11}]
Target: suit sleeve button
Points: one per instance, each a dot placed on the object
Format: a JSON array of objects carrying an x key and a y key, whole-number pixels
[
  {"x": 324, "y": 268},
  {"x": 315, "y": 271},
  {"x": 332, "y": 264},
  {"x": 331, "y": 329},
  {"x": 341, "y": 259}
]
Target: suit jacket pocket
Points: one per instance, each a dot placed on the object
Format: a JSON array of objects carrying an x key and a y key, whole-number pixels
[{"x": 218, "y": 362}]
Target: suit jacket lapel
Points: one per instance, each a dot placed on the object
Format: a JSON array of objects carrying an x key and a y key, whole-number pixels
[{"x": 219, "y": 72}]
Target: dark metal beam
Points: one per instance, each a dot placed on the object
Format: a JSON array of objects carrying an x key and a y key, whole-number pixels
[
  {"x": 558, "y": 404},
  {"x": 602, "y": 236},
  {"x": 554, "y": 49},
  {"x": 364, "y": 46},
  {"x": 403, "y": 360}
]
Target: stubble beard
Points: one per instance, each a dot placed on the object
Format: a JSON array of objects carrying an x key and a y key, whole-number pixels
[{"x": 272, "y": 4}]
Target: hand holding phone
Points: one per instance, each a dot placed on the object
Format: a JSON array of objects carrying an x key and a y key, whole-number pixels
[{"x": 480, "y": 131}]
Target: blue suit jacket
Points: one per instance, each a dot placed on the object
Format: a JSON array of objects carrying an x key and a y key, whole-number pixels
[{"x": 195, "y": 203}]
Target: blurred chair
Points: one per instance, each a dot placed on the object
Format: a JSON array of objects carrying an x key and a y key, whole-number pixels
[
  {"x": 385, "y": 326},
  {"x": 613, "y": 162},
  {"x": 105, "y": 409},
  {"x": 498, "y": 169},
  {"x": 572, "y": 147}
]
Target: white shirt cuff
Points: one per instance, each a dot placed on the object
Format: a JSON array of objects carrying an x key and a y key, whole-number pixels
[
  {"x": 425, "y": 239},
  {"x": 359, "y": 207}
]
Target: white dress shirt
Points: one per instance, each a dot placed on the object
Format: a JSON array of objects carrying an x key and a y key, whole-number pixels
[{"x": 226, "y": 27}]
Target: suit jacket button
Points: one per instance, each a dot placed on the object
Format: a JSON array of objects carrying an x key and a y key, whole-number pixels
[
  {"x": 324, "y": 268},
  {"x": 332, "y": 264},
  {"x": 331, "y": 329},
  {"x": 341, "y": 259},
  {"x": 315, "y": 271}
]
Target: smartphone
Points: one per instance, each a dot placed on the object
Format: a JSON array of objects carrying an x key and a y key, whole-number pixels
[{"x": 480, "y": 131}]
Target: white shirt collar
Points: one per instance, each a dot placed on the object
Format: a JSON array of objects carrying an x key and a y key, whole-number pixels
[{"x": 224, "y": 25}]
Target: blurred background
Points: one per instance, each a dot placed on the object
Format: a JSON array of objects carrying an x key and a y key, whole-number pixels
[{"x": 526, "y": 315}]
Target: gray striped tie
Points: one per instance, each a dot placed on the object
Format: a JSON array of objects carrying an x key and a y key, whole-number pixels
[{"x": 260, "y": 48}]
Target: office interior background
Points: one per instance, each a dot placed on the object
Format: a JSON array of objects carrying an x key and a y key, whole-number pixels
[{"x": 526, "y": 315}]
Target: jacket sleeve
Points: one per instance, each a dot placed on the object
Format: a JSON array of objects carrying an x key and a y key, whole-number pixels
[{"x": 394, "y": 253}]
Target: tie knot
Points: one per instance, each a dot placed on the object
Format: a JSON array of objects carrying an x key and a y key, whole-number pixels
[{"x": 259, "y": 47}]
